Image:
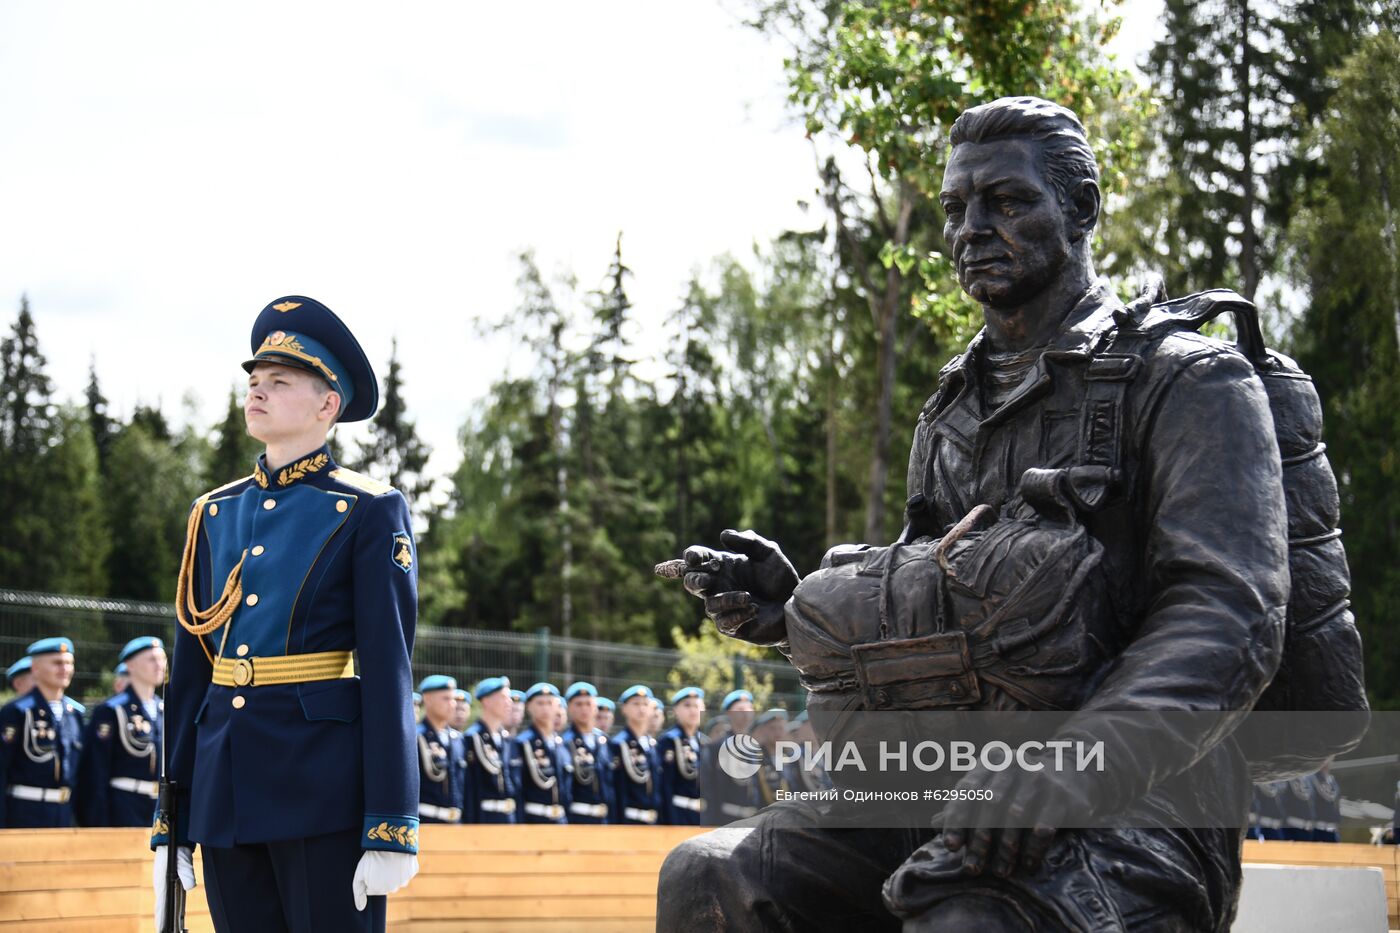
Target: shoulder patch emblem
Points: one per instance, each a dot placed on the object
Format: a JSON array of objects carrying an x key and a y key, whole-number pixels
[
  {"x": 9, "y": 735},
  {"x": 403, "y": 551},
  {"x": 359, "y": 481},
  {"x": 103, "y": 730}
]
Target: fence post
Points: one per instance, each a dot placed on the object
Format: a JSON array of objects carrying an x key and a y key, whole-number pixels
[
  {"x": 738, "y": 673},
  {"x": 541, "y": 654}
]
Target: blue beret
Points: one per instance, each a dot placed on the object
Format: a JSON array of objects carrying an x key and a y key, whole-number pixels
[
  {"x": 460, "y": 694},
  {"x": 770, "y": 715},
  {"x": 605, "y": 703},
  {"x": 518, "y": 695},
  {"x": 686, "y": 692},
  {"x": 636, "y": 690},
  {"x": 19, "y": 667},
  {"x": 51, "y": 646},
  {"x": 120, "y": 670},
  {"x": 302, "y": 332},
  {"x": 137, "y": 645},
  {"x": 490, "y": 685},
  {"x": 437, "y": 682},
  {"x": 734, "y": 696},
  {"x": 580, "y": 686},
  {"x": 656, "y": 701},
  {"x": 417, "y": 697},
  {"x": 797, "y": 722},
  {"x": 541, "y": 689}
]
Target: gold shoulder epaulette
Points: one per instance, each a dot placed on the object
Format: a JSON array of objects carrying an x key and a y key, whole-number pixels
[
  {"x": 360, "y": 481},
  {"x": 214, "y": 492}
]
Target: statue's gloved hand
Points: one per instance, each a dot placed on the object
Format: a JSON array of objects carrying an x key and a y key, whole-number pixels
[
  {"x": 184, "y": 868},
  {"x": 382, "y": 872},
  {"x": 744, "y": 587}
]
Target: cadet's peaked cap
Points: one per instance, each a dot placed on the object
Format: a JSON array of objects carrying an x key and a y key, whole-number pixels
[
  {"x": 605, "y": 703},
  {"x": 518, "y": 695},
  {"x": 437, "y": 682},
  {"x": 19, "y": 667},
  {"x": 770, "y": 715},
  {"x": 302, "y": 332},
  {"x": 541, "y": 690},
  {"x": 734, "y": 696},
  {"x": 490, "y": 685},
  {"x": 51, "y": 646},
  {"x": 636, "y": 690},
  {"x": 580, "y": 686},
  {"x": 138, "y": 645},
  {"x": 120, "y": 670},
  {"x": 685, "y": 693}
]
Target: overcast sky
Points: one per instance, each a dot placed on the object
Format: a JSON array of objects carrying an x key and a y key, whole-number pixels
[{"x": 170, "y": 167}]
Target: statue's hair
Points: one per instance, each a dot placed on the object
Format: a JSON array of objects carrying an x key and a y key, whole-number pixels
[{"x": 1066, "y": 157}]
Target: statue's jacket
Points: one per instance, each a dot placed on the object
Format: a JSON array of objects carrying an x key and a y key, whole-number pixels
[{"x": 328, "y": 568}]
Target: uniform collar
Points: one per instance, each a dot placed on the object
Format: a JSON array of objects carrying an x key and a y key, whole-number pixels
[{"x": 299, "y": 470}]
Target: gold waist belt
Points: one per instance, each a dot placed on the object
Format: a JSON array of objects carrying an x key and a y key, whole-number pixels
[{"x": 287, "y": 669}]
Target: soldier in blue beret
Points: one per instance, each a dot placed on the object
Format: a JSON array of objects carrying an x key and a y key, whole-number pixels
[
  {"x": 41, "y": 741},
  {"x": 603, "y": 720},
  {"x": 442, "y": 755},
  {"x": 490, "y": 785},
  {"x": 516, "y": 720},
  {"x": 461, "y": 710},
  {"x": 121, "y": 678},
  {"x": 1327, "y": 805},
  {"x": 768, "y": 729},
  {"x": 1298, "y": 809},
  {"x": 682, "y": 802},
  {"x": 591, "y": 783},
  {"x": 19, "y": 676},
  {"x": 728, "y": 798},
  {"x": 805, "y": 773},
  {"x": 298, "y": 777},
  {"x": 636, "y": 767},
  {"x": 538, "y": 760},
  {"x": 119, "y": 779}
]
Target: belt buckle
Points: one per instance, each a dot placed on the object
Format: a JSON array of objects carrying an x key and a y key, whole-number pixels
[
  {"x": 242, "y": 672},
  {"x": 64, "y": 793}
]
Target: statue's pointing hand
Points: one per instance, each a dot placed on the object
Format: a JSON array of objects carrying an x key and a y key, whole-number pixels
[{"x": 744, "y": 586}]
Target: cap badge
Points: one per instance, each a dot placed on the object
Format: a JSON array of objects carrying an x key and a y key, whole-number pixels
[{"x": 286, "y": 306}]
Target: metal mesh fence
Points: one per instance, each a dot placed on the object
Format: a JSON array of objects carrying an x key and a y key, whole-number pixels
[{"x": 99, "y": 628}]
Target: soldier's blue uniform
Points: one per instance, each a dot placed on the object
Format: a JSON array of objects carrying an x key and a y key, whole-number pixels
[
  {"x": 590, "y": 779},
  {"x": 636, "y": 770},
  {"x": 682, "y": 802},
  {"x": 442, "y": 763},
  {"x": 1327, "y": 808},
  {"x": 1270, "y": 808},
  {"x": 1298, "y": 809},
  {"x": 119, "y": 779},
  {"x": 39, "y": 754},
  {"x": 726, "y": 798},
  {"x": 289, "y": 765},
  {"x": 490, "y": 796},
  {"x": 805, "y": 774},
  {"x": 22, "y": 666},
  {"x": 770, "y": 779},
  {"x": 539, "y": 767}
]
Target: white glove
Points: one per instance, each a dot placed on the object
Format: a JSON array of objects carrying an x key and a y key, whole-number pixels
[
  {"x": 184, "y": 867},
  {"x": 382, "y": 872}
]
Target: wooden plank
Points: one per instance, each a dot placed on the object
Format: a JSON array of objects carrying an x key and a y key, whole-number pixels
[
  {"x": 76, "y": 845},
  {"x": 443, "y": 838},
  {"x": 493, "y": 908},
  {"x": 432, "y": 861},
  {"x": 39, "y": 876},
  {"x": 572, "y": 925},
  {"x": 577, "y": 885},
  {"x": 49, "y": 905}
]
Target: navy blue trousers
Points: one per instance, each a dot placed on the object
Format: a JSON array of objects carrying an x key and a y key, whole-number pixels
[{"x": 297, "y": 886}]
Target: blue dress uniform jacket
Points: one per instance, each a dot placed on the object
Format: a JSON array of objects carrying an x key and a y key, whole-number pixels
[
  {"x": 119, "y": 779},
  {"x": 442, "y": 762},
  {"x": 490, "y": 786},
  {"x": 538, "y": 765},
  {"x": 1298, "y": 809},
  {"x": 327, "y": 567},
  {"x": 1327, "y": 808},
  {"x": 726, "y": 799},
  {"x": 636, "y": 775},
  {"x": 682, "y": 802},
  {"x": 591, "y": 786},
  {"x": 38, "y": 762}
]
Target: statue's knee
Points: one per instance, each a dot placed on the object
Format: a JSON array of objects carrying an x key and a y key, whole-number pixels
[
  {"x": 969, "y": 913},
  {"x": 693, "y": 861}
]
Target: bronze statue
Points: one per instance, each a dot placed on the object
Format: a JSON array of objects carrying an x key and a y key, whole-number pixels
[{"x": 1096, "y": 522}]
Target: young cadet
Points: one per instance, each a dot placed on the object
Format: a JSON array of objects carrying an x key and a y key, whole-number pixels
[
  {"x": 636, "y": 768},
  {"x": 41, "y": 740},
  {"x": 121, "y": 678},
  {"x": 806, "y": 773},
  {"x": 490, "y": 786},
  {"x": 1327, "y": 805},
  {"x": 442, "y": 757},
  {"x": 590, "y": 791},
  {"x": 727, "y": 798},
  {"x": 461, "y": 710},
  {"x": 515, "y": 721},
  {"x": 298, "y": 778},
  {"x": 19, "y": 676},
  {"x": 607, "y": 711},
  {"x": 119, "y": 778},
  {"x": 682, "y": 803},
  {"x": 768, "y": 728},
  {"x": 538, "y": 760}
]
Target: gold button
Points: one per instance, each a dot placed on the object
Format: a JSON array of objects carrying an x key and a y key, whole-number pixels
[
  {"x": 342, "y": 505},
  {"x": 238, "y": 702},
  {"x": 242, "y": 650},
  {"x": 252, "y": 599},
  {"x": 269, "y": 504},
  {"x": 213, "y": 510},
  {"x": 257, "y": 549}
]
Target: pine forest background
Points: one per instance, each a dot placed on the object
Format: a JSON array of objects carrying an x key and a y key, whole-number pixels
[{"x": 1260, "y": 155}]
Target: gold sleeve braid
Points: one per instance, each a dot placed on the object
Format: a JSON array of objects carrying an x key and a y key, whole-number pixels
[{"x": 201, "y": 622}]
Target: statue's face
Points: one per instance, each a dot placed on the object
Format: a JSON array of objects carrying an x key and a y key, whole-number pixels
[{"x": 1007, "y": 228}]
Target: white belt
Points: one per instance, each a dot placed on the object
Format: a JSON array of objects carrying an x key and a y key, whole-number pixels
[
  {"x": 734, "y": 809},
  {"x": 1326, "y": 827},
  {"x": 132, "y": 786},
  {"x": 506, "y": 805},
  {"x": 598, "y": 810},
  {"x": 688, "y": 803},
  {"x": 641, "y": 816},
  {"x": 446, "y": 814},
  {"x": 1270, "y": 822},
  {"x": 1297, "y": 822},
  {"x": 550, "y": 811},
  {"x": 40, "y": 794}
]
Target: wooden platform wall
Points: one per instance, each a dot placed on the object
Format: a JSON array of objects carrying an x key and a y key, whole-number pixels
[{"x": 474, "y": 879}]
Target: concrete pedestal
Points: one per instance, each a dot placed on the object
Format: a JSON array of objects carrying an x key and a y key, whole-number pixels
[{"x": 1288, "y": 898}]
